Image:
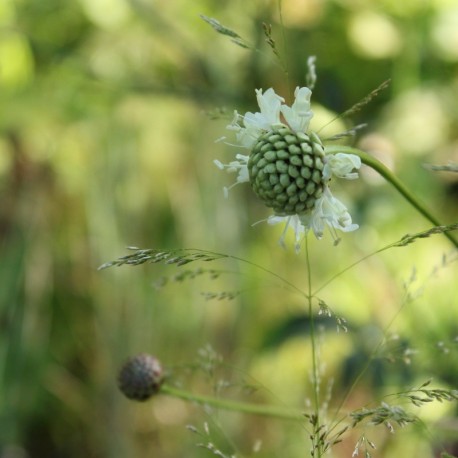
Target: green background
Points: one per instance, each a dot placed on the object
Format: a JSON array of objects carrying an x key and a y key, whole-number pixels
[{"x": 107, "y": 140}]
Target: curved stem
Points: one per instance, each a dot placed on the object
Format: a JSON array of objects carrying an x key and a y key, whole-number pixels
[
  {"x": 226, "y": 404},
  {"x": 388, "y": 175}
]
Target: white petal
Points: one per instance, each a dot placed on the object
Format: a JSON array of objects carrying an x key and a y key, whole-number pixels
[
  {"x": 342, "y": 165},
  {"x": 240, "y": 166},
  {"x": 234, "y": 125},
  {"x": 248, "y": 136},
  {"x": 298, "y": 116},
  {"x": 294, "y": 222},
  {"x": 302, "y": 103},
  {"x": 256, "y": 121},
  {"x": 314, "y": 220},
  {"x": 331, "y": 211},
  {"x": 218, "y": 164},
  {"x": 269, "y": 104}
]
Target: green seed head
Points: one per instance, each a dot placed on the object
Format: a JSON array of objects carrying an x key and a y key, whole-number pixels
[
  {"x": 286, "y": 170},
  {"x": 140, "y": 377}
]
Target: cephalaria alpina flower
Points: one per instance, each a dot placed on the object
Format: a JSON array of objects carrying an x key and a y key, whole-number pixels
[{"x": 288, "y": 168}]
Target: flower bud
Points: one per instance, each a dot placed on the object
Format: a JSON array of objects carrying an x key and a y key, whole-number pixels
[{"x": 140, "y": 377}]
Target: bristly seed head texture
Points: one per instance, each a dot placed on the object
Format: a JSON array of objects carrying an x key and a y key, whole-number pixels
[
  {"x": 286, "y": 170},
  {"x": 140, "y": 377}
]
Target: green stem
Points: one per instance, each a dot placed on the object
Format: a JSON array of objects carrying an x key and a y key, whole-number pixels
[
  {"x": 285, "y": 49},
  {"x": 315, "y": 379},
  {"x": 226, "y": 404},
  {"x": 388, "y": 175}
]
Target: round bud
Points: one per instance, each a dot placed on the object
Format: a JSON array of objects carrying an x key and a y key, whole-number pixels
[
  {"x": 140, "y": 377},
  {"x": 286, "y": 170}
]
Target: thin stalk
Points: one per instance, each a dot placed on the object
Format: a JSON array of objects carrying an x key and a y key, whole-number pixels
[
  {"x": 237, "y": 406},
  {"x": 315, "y": 379},
  {"x": 285, "y": 49},
  {"x": 368, "y": 362},
  {"x": 388, "y": 175}
]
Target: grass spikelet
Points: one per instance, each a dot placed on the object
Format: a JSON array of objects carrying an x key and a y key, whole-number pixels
[
  {"x": 348, "y": 133},
  {"x": 423, "y": 395},
  {"x": 450, "y": 167},
  {"x": 186, "y": 275},
  {"x": 384, "y": 414},
  {"x": 410, "y": 238},
  {"x": 179, "y": 257},
  {"x": 218, "y": 113},
  {"x": 223, "y": 30},
  {"x": 267, "y": 28},
  {"x": 325, "y": 310},
  {"x": 358, "y": 106},
  {"x": 223, "y": 295}
]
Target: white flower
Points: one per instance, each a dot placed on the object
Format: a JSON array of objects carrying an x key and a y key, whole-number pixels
[{"x": 326, "y": 210}]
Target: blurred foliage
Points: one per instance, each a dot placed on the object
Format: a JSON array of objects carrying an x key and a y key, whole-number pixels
[{"x": 105, "y": 142}]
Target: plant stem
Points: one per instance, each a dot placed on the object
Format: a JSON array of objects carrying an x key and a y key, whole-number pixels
[
  {"x": 226, "y": 404},
  {"x": 389, "y": 176},
  {"x": 316, "y": 443}
]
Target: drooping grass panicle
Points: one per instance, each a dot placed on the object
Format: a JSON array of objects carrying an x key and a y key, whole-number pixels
[
  {"x": 369, "y": 97},
  {"x": 414, "y": 290},
  {"x": 450, "y": 167},
  {"x": 410, "y": 238},
  {"x": 183, "y": 256},
  {"x": 219, "y": 27},
  {"x": 348, "y": 133},
  {"x": 221, "y": 295},
  {"x": 270, "y": 40},
  {"x": 423, "y": 395},
  {"x": 218, "y": 113},
  {"x": 180, "y": 257},
  {"x": 267, "y": 29},
  {"x": 208, "y": 443},
  {"x": 322, "y": 437},
  {"x": 385, "y": 414},
  {"x": 358, "y": 106},
  {"x": 363, "y": 443},
  {"x": 223, "y": 30},
  {"x": 325, "y": 310},
  {"x": 404, "y": 241},
  {"x": 188, "y": 274},
  {"x": 389, "y": 414}
]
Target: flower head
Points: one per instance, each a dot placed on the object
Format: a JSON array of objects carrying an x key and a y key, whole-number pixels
[
  {"x": 140, "y": 377},
  {"x": 288, "y": 168}
]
